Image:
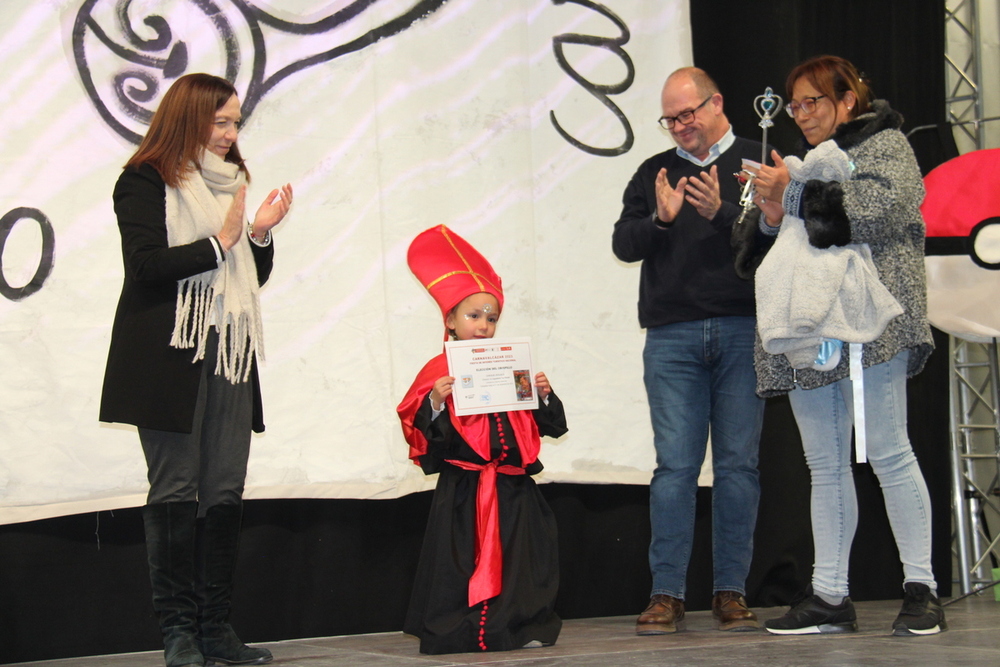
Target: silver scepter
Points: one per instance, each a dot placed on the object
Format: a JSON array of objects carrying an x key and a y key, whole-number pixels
[{"x": 766, "y": 106}]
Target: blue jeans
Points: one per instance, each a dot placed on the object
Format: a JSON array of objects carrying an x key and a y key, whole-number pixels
[
  {"x": 699, "y": 374},
  {"x": 825, "y": 417}
]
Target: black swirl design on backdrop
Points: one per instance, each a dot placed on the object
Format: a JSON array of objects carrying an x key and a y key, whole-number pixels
[
  {"x": 45, "y": 263},
  {"x": 148, "y": 64},
  {"x": 600, "y": 91}
]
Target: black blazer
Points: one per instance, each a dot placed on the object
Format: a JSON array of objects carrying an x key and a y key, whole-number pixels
[{"x": 147, "y": 382}]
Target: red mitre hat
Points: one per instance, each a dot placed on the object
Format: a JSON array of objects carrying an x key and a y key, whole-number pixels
[{"x": 450, "y": 268}]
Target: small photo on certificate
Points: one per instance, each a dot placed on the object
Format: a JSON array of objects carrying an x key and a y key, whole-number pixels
[{"x": 491, "y": 375}]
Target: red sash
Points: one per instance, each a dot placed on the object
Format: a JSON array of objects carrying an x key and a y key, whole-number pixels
[{"x": 486, "y": 580}]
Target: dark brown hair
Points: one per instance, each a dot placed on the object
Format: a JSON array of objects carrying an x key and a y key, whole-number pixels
[
  {"x": 833, "y": 76},
  {"x": 181, "y": 127}
]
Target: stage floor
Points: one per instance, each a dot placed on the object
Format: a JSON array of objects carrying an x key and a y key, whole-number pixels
[{"x": 973, "y": 638}]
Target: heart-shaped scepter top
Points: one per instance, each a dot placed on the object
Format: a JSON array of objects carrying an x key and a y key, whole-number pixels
[{"x": 766, "y": 106}]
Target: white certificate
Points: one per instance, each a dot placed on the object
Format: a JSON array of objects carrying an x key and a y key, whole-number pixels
[{"x": 491, "y": 375}]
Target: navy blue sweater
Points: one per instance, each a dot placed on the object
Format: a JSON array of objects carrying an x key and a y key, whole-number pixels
[{"x": 687, "y": 267}]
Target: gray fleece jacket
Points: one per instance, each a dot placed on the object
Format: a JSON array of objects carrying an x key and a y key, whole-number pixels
[
  {"x": 879, "y": 205},
  {"x": 804, "y": 294}
]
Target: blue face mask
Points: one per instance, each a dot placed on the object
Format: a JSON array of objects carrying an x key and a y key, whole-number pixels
[{"x": 829, "y": 355}]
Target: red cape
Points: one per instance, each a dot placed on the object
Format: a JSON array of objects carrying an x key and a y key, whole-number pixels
[{"x": 474, "y": 429}]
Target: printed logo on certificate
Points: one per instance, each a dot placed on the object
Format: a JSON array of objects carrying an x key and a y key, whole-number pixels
[{"x": 491, "y": 375}]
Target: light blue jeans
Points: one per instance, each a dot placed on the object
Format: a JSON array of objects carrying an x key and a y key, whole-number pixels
[
  {"x": 825, "y": 417},
  {"x": 699, "y": 374}
]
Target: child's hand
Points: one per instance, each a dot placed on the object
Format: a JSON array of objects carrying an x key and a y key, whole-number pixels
[
  {"x": 542, "y": 382},
  {"x": 442, "y": 389}
]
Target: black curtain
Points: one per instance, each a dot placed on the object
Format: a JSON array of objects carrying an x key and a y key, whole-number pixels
[
  {"x": 748, "y": 46},
  {"x": 78, "y": 585}
]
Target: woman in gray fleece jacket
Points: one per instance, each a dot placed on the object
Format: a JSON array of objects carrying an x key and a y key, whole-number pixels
[{"x": 877, "y": 205}]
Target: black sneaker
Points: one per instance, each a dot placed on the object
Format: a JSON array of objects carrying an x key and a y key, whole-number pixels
[
  {"x": 810, "y": 615},
  {"x": 921, "y": 613}
]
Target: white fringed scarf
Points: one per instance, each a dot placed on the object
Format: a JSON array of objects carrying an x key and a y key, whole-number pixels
[{"x": 227, "y": 297}]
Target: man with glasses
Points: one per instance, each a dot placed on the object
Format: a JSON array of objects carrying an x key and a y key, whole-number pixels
[{"x": 677, "y": 217}]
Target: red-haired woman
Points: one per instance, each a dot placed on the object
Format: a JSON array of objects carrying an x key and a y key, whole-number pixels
[
  {"x": 182, "y": 362},
  {"x": 875, "y": 202}
]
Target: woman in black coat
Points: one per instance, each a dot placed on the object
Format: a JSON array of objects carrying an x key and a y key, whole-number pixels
[{"x": 182, "y": 362}]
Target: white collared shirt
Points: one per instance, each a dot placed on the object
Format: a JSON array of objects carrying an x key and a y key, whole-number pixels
[{"x": 720, "y": 147}]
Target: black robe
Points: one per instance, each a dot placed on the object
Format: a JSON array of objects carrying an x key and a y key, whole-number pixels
[{"x": 524, "y": 611}]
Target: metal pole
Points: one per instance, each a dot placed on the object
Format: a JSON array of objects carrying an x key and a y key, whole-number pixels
[{"x": 959, "y": 507}]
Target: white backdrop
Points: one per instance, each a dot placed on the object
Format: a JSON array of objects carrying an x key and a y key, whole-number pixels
[{"x": 445, "y": 119}]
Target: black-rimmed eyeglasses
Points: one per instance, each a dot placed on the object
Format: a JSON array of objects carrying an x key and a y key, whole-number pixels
[
  {"x": 684, "y": 117},
  {"x": 806, "y": 104}
]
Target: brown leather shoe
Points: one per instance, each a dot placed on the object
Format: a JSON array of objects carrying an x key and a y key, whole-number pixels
[
  {"x": 730, "y": 611},
  {"x": 664, "y": 615}
]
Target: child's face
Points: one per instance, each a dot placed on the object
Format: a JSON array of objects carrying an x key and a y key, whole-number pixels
[{"x": 475, "y": 317}]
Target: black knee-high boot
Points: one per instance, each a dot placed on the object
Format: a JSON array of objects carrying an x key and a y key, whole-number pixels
[
  {"x": 170, "y": 551},
  {"x": 219, "y": 539}
]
